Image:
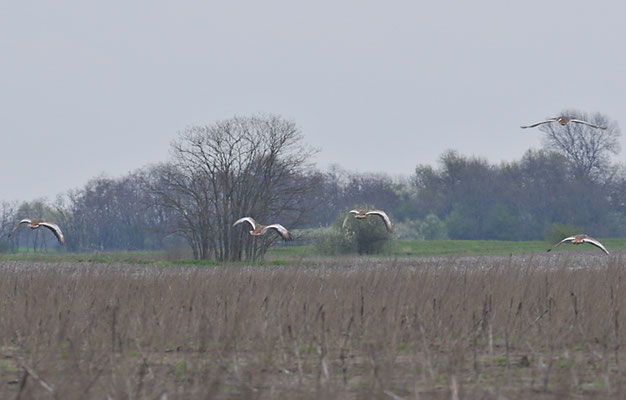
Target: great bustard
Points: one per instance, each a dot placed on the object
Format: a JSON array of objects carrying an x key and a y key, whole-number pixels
[
  {"x": 563, "y": 121},
  {"x": 580, "y": 239},
  {"x": 36, "y": 223},
  {"x": 258, "y": 229},
  {"x": 361, "y": 214}
]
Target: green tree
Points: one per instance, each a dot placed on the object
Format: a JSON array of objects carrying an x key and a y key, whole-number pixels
[
  {"x": 462, "y": 223},
  {"x": 501, "y": 224}
]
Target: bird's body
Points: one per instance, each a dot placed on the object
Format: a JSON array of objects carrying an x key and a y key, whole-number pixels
[
  {"x": 36, "y": 223},
  {"x": 258, "y": 229},
  {"x": 563, "y": 120},
  {"x": 580, "y": 239},
  {"x": 362, "y": 214},
  {"x": 359, "y": 214}
]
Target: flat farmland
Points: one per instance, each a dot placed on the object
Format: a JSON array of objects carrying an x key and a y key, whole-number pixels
[{"x": 523, "y": 326}]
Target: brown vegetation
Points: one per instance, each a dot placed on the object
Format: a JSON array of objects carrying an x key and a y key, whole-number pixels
[{"x": 492, "y": 327}]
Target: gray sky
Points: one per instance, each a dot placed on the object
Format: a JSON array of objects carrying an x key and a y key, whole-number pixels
[{"x": 376, "y": 86}]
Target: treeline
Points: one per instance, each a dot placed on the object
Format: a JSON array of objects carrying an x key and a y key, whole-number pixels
[
  {"x": 469, "y": 198},
  {"x": 260, "y": 166}
]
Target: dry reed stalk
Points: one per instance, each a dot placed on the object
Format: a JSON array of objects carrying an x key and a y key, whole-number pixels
[
  {"x": 454, "y": 388},
  {"x": 207, "y": 330},
  {"x": 31, "y": 372},
  {"x": 345, "y": 351}
]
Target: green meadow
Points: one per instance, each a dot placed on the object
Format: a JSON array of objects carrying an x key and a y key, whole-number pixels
[
  {"x": 278, "y": 255},
  {"x": 455, "y": 248}
]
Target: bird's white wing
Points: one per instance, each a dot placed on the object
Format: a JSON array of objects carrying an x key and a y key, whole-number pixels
[
  {"x": 384, "y": 216},
  {"x": 580, "y": 121},
  {"x": 355, "y": 212},
  {"x": 594, "y": 242},
  {"x": 567, "y": 239},
  {"x": 280, "y": 229},
  {"x": 248, "y": 220},
  {"x": 539, "y": 123},
  {"x": 55, "y": 229},
  {"x": 24, "y": 221}
]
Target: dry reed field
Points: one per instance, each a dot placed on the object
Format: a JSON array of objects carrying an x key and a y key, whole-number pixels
[{"x": 496, "y": 327}]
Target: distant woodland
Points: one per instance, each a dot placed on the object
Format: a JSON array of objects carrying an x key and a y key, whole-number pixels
[{"x": 261, "y": 166}]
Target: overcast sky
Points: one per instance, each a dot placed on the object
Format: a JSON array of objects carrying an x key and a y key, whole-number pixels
[{"x": 90, "y": 88}]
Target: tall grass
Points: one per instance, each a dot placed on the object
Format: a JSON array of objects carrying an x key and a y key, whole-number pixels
[{"x": 480, "y": 327}]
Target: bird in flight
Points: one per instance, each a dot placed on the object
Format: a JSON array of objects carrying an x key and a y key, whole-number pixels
[
  {"x": 563, "y": 121},
  {"x": 36, "y": 223},
  {"x": 258, "y": 229},
  {"x": 362, "y": 214},
  {"x": 580, "y": 239}
]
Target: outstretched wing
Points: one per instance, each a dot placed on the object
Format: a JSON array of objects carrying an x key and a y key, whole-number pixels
[
  {"x": 580, "y": 121},
  {"x": 567, "y": 239},
  {"x": 384, "y": 216},
  {"x": 24, "y": 221},
  {"x": 280, "y": 229},
  {"x": 248, "y": 220},
  {"x": 594, "y": 242},
  {"x": 55, "y": 229},
  {"x": 356, "y": 212},
  {"x": 539, "y": 123}
]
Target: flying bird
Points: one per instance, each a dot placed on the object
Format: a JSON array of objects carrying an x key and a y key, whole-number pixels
[
  {"x": 258, "y": 229},
  {"x": 563, "y": 121},
  {"x": 580, "y": 239},
  {"x": 36, "y": 223},
  {"x": 362, "y": 214}
]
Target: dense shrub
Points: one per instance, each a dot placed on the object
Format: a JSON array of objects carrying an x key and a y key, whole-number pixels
[
  {"x": 368, "y": 236},
  {"x": 334, "y": 241},
  {"x": 408, "y": 230},
  {"x": 433, "y": 228}
]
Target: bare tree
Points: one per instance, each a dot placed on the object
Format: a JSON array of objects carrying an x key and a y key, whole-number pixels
[
  {"x": 184, "y": 194},
  {"x": 7, "y": 219},
  {"x": 586, "y": 147},
  {"x": 243, "y": 166}
]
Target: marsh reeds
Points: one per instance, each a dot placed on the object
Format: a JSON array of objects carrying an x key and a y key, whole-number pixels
[{"x": 515, "y": 327}]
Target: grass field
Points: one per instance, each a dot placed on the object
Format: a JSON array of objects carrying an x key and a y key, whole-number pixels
[
  {"x": 290, "y": 254},
  {"x": 542, "y": 326},
  {"x": 485, "y": 247}
]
